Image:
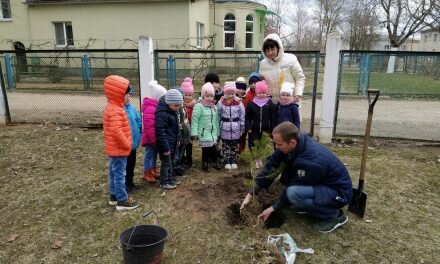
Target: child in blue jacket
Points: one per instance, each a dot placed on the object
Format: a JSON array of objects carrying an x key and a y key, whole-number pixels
[{"x": 136, "y": 129}]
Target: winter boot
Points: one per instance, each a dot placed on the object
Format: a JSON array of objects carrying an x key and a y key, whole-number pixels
[
  {"x": 155, "y": 173},
  {"x": 148, "y": 176},
  {"x": 205, "y": 166},
  {"x": 218, "y": 164}
]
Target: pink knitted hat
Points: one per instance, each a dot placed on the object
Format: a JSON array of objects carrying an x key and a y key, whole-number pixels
[
  {"x": 261, "y": 87},
  {"x": 187, "y": 85},
  {"x": 229, "y": 87},
  {"x": 207, "y": 88}
]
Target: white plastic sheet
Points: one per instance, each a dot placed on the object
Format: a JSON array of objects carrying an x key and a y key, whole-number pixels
[{"x": 287, "y": 246}]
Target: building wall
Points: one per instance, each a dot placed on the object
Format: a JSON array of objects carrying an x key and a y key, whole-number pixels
[
  {"x": 16, "y": 28},
  {"x": 384, "y": 44},
  {"x": 199, "y": 12},
  {"x": 240, "y": 10},
  {"x": 430, "y": 41}
]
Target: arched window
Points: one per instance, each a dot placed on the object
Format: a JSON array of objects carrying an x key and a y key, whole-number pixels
[
  {"x": 229, "y": 31},
  {"x": 249, "y": 31}
]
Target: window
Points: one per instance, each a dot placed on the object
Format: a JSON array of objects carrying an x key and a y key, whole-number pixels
[
  {"x": 6, "y": 9},
  {"x": 63, "y": 34},
  {"x": 435, "y": 37},
  {"x": 403, "y": 47},
  {"x": 387, "y": 47},
  {"x": 426, "y": 38},
  {"x": 229, "y": 31},
  {"x": 249, "y": 31},
  {"x": 200, "y": 34}
]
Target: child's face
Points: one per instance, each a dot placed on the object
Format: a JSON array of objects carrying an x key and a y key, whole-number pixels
[
  {"x": 240, "y": 92},
  {"x": 209, "y": 97},
  {"x": 229, "y": 95},
  {"x": 261, "y": 95},
  {"x": 175, "y": 108},
  {"x": 252, "y": 86},
  {"x": 127, "y": 99},
  {"x": 216, "y": 85},
  {"x": 285, "y": 96},
  {"x": 187, "y": 96}
]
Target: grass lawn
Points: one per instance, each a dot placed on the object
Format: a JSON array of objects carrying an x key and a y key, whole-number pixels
[{"x": 53, "y": 183}]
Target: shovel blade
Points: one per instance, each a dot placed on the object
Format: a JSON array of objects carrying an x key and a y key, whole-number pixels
[{"x": 358, "y": 204}]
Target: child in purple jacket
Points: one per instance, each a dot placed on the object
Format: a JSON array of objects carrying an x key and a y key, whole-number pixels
[{"x": 231, "y": 114}]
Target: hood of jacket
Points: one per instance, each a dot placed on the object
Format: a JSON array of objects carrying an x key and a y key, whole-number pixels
[
  {"x": 277, "y": 39},
  {"x": 115, "y": 88},
  {"x": 162, "y": 106},
  {"x": 149, "y": 102}
]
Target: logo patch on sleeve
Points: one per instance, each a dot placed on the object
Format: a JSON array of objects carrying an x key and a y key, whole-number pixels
[{"x": 301, "y": 173}]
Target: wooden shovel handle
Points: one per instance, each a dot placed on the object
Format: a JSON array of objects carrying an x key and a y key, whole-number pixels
[{"x": 367, "y": 131}]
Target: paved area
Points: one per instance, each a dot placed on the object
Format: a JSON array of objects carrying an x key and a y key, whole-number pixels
[{"x": 414, "y": 119}]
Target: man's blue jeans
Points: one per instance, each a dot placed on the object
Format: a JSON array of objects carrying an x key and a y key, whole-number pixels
[
  {"x": 116, "y": 177},
  {"x": 150, "y": 157},
  {"x": 302, "y": 199}
]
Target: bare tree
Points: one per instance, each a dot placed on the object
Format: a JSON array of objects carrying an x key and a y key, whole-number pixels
[
  {"x": 274, "y": 23},
  {"x": 433, "y": 20},
  {"x": 328, "y": 15},
  {"x": 403, "y": 18},
  {"x": 360, "y": 24}
]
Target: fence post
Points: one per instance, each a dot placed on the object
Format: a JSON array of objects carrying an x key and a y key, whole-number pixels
[
  {"x": 9, "y": 72},
  {"x": 146, "y": 65},
  {"x": 85, "y": 71},
  {"x": 332, "y": 49},
  {"x": 5, "y": 116}
]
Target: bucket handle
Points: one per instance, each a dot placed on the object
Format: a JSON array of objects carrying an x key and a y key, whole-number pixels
[{"x": 145, "y": 214}]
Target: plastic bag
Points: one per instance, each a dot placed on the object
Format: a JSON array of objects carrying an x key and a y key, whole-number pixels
[{"x": 287, "y": 246}]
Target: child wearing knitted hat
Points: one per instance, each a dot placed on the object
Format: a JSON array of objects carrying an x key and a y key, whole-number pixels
[
  {"x": 231, "y": 112},
  {"x": 205, "y": 126},
  {"x": 188, "y": 104},
  {"x": 260, "y": 115},
  {"x": 149, "y": 106},
  {"x": 287, "y": 108},
  {"x": 168, "y": 136}
]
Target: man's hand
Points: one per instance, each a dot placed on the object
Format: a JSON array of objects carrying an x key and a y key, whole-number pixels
[
  {"x": 266, "y": 213},
  {"x": 193, "y": 138},
  {"x": 246, "y": 201},
  {"x": 296, "y": 98}
]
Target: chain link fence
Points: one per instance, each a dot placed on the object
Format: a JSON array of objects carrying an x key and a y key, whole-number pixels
[
  {"x": 172, "y": 66},
  {"x": 63, "y": 86},
  {"x": 409, "y": 105}
]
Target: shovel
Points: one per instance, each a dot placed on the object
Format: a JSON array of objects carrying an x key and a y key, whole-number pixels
[{"x": 359, "y": 201}]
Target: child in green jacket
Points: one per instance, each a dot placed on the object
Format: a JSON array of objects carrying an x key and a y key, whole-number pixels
[{"x": 205, "y": 127}]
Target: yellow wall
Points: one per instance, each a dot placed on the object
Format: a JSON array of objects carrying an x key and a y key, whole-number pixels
[
  {"x": 199, "y": 12},
  {"x": 16, "y": 28},
  {"x": 240, "y": 10}
]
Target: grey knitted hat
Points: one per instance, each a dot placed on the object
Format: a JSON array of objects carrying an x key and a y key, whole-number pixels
[{"x": 173, "y": 97}]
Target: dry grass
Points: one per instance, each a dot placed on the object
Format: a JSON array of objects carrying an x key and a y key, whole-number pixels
[{"x": 54, "y": 188}]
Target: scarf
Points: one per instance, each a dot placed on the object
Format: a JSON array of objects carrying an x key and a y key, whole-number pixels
[
  {"x": 207, "y": 103},
  {"x": 260, "y": 102},
  {"x": 190, "y": 103},
  {"x": 230, "y": 102},
  {"x": 286, "y": 101}
]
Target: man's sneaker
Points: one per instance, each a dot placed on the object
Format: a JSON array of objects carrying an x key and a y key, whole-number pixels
[
  {"x": 168, "y": 186},
  {"x": 234, "y": 166},
  {"x": 177, "y": 182},
  {"x": 128, "y": 204},
  {"x": 327, "y": 226},
  {"x": 228, "y": 166},
  {"x": 112, "y": 200}
]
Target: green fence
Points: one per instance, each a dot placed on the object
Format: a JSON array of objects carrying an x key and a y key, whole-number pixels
[{"x": 409, "y": 106}]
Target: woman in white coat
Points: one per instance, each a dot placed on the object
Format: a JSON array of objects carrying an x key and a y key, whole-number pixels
[{"x": 278, "y": 67}]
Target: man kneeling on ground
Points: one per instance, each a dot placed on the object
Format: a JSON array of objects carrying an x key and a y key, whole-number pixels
[{"x": 316, "y": 181}]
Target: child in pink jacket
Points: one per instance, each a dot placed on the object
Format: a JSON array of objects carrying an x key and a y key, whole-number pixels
[{"x": 149, "y": 106}]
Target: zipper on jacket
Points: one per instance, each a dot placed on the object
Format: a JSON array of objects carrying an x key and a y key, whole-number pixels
[{"x": 261, "y": 118}]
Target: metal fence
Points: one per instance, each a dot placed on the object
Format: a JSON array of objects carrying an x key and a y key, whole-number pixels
[
  {"x": 63, "y": 86},
  {"x": 172, "y": 66},
  {"x": 409, "y": 105}
]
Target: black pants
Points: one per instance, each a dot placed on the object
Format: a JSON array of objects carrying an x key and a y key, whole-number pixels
[
  {"x": 230, "y": 150},
  {"x": 131, "y": 163},
  {"x": 188, "y": 153},
  {"x": 210, "y": 154}
]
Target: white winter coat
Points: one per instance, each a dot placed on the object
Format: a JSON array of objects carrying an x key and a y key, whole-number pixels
[{"x": 284, "y": 68}]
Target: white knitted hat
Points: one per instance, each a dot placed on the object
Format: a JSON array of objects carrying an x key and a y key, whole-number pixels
[{"x": 287, "y": 87}]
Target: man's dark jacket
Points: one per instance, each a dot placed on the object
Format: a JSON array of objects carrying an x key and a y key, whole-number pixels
[{"x": 310, "y": 164}]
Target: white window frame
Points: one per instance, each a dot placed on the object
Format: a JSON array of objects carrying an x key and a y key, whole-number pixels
[
  {"x": 2, "y": 15},
  {"x": 200, "y": 29},
  {"x": 387, "y": 47},
  {"x": 249, "y": 32},
  {"x": 225, "y": 32},
  {"x": 66, "y": 40}
]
